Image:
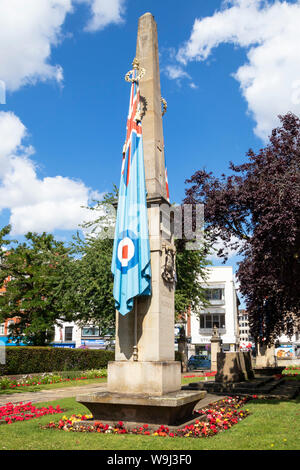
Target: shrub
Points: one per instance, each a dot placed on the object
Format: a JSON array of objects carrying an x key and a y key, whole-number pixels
[{"x": 29, "y": 360}]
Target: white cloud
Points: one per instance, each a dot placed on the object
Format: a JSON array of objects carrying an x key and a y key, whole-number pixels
[
  {"x": 29, "y": 29},
  {"x": 36, "y": 204},
  {"x": 270, "y": 79},
  {"x": 12, "y": 132},
  {"x": 104, "y": 12},
  {"x": 27, "y": 33},
  {"x": 177, "y": 73},
  {"x": 174, "y": 72}
]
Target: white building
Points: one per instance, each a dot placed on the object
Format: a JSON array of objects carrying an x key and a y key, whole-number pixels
[
  {"x": 246, "y": 341},
  {"x": 222, "y": 312},
  {"x": 72, "y": 335},
  {"x": 286, "y": 348}
]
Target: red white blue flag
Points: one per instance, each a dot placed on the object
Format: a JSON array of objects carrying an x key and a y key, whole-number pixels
[{"x": 131, "y": 252}]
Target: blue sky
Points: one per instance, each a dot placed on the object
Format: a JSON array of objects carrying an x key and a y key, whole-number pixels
[{"x": 227, "y": 70}]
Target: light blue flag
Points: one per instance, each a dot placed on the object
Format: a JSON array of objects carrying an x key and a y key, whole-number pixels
[{"x": 131, "y": 252}]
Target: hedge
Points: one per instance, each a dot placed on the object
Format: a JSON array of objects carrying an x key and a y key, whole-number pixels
[{"x": 28, "y": 360}]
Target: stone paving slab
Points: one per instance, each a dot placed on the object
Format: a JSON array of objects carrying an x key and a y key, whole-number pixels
[{"x": 50, "y": 395}]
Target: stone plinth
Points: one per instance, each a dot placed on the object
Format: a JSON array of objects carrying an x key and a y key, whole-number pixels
[
  {"x": 234, "y": 367},
  {"x": 174, "y": 408},
  {"x": 215, "y": 348},
  {"x": 154, "y": 378}
]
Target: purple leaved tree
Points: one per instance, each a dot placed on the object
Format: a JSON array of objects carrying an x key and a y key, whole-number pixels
[{"x": 256, "y": 211}]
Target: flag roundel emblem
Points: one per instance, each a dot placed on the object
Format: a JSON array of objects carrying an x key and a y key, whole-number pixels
[{"x": 127, "y": 251}]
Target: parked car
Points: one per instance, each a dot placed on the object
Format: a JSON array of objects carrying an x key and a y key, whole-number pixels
[{"x": 198, "y": 362}]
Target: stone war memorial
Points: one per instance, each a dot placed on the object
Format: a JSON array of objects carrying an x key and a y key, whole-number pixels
[{"x": 144, "y": 381}]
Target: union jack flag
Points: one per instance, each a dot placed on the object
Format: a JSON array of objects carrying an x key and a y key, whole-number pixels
[
  {"x": 131, "y": 252},
  {"x": 133, "y": 125}
]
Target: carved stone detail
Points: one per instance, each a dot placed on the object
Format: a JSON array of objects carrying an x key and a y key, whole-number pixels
[{"x": 169, "y": 266}]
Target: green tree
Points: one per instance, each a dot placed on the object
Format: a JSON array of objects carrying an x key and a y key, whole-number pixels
[
  {"x": 92, "y": 289},
  {"x": 34, "y": 293},
  {"x": 191, "y": 272},
  {"x": 88, "y": 290},
  {"x": 256, "y": 211},
  {"x": 89, "y": 283}
]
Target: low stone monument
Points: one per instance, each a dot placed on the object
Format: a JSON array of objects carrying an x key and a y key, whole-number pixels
[
  {"x": 144, "y": 381},
  {"x": 234, "y": 367},
  {"x": 265, "y": 356}
]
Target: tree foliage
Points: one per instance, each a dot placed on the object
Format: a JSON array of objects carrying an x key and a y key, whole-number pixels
[
  {"x": 94, "y": 270},
  {"x": 89, "y": 281},
  {"x": 190, "y": 272},
  {"x": 51, "y": 283},
  {"x": 35, "y": 269},
  {"x": 256, "y": 210}
]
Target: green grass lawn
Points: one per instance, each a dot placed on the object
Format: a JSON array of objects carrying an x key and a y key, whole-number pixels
[
  {"x": 272, "y": 424},
  {"x": 193, "y": 379},
  {"x": 37, "y": 388}
]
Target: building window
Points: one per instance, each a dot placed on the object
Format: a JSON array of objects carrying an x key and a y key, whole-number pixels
[
  {"x": 209, "y": 321},
  {"x": 90, "y": 331},
  {"x": 68, "y": 333},
  {"x": 214, "y": 294},
  {"x": 2, "y": 328},
  {"x": 10, "y": 325}
]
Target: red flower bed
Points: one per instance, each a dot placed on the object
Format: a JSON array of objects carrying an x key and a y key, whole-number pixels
[
  {"x": 218, "y": 417},
  {"x": 10, "y": 413},
  {"x": 31, "y": 382},
  {"x": 207, "y": 374}
]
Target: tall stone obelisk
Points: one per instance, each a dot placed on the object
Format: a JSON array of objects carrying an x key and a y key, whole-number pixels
[
  {"x": 155, "y": 371},
  {"x": 144, "y": 381}
]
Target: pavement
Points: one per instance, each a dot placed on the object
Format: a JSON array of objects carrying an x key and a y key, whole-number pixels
[
  {"x": 50, "y": 395},
  {"x": 60, "y": 393}
]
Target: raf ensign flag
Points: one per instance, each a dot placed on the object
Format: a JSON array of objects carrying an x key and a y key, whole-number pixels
[{"x": 131, "y": 252}]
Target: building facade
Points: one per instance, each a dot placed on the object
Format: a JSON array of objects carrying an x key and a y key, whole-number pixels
[
  {"x": 246, "y": 341},
  {"x": 4, "y": 332},
  {"x": 285, "y": 348},
  {"x": 222, "y": 312},
  {"x": 73, "y": 335},
  {"x": 5, "y": 326}
]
